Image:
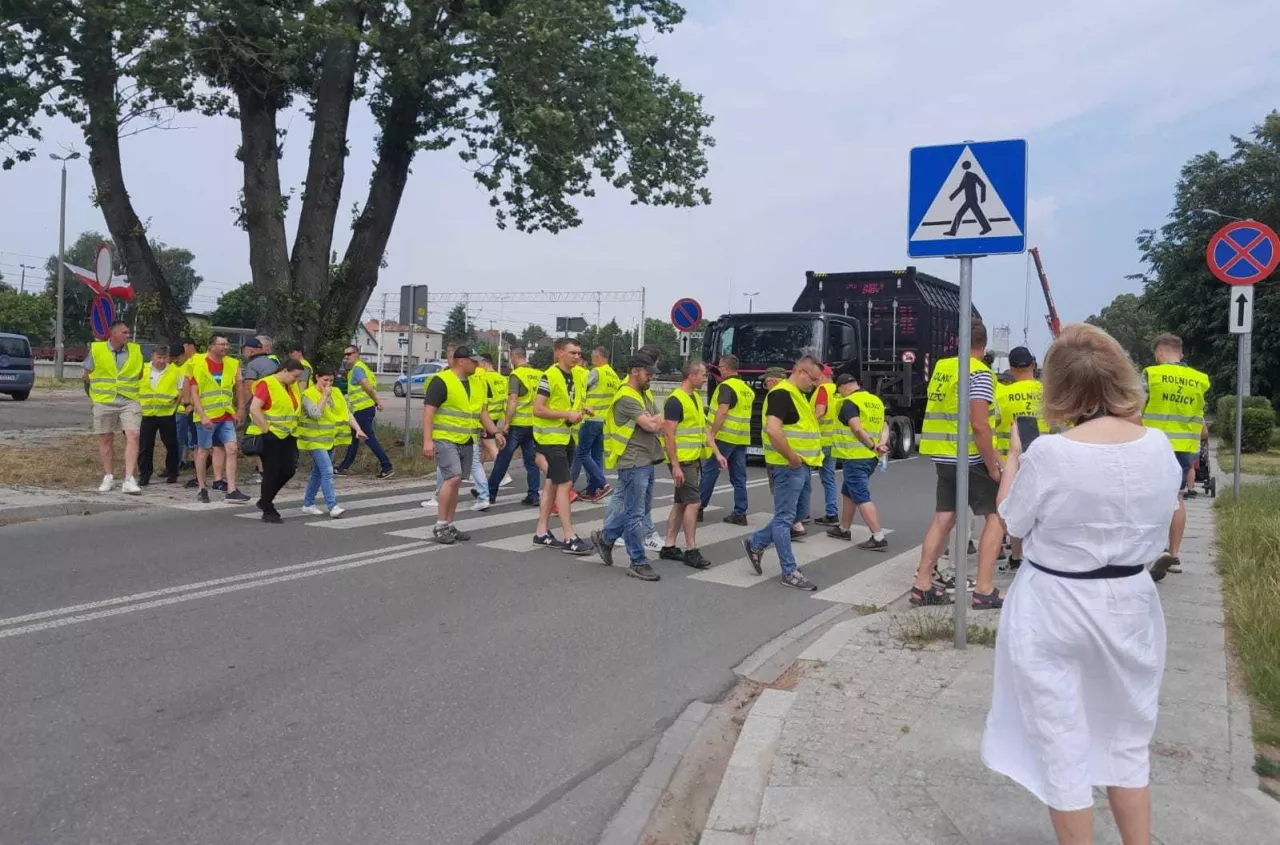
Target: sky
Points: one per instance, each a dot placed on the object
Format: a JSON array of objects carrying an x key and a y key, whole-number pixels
[{"x": 817, "y": 104}]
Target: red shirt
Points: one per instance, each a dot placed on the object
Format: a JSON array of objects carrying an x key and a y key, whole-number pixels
[
  {"x": 261, "y": 391},
  {"x": 215, "y": 370}
]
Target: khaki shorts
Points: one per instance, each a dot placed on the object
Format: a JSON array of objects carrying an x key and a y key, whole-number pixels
[
  {"x": 116, "y": 416},
  {"x": 690, "y": 493}
]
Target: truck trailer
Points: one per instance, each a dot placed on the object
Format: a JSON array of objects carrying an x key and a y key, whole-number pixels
[{"x": 886, "y": 327}]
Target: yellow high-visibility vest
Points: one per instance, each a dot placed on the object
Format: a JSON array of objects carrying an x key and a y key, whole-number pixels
[
  {"x": 607, "y": 384},
  {"x": 458, "y": 419},
  {"x": 528, "y": 377},
  {"x": 356, "y": 397},
  {"x": 285, "y": 411},
  {"x": 804, "y": 436},
  {"x": 828, "y": 422},
  {"x": 316, "y": 432},
  {"x": 691, "y": 431},
  {"x": 217, "y": 398},
  {"x": 496, "y": 384},
  {"x": 845, "y": 445},
  {"x": 616, "y": 437},
  {"x": 1175, "y": 404},
  {"x": 941, "y": 430},
  {"x": 340, "y": 411},
  {"x": 1020, "y": 399},
  {"x": 161, "y": 400},
  {"x": 736, "y": 430},
  {"x": 106, "y": 383},
  {"x": 559, "y": 432}
]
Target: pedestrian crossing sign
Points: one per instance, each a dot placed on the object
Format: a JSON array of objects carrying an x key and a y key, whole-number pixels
[{"x": 967, "y": 199}]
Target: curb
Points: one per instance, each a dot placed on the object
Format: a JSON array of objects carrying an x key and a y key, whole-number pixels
[
  {"x": 628, "y": 824},
  {"x": 762, "y": 656},
  {"x": 736, "y": 810},
  {"x": 34, "y": 512}
]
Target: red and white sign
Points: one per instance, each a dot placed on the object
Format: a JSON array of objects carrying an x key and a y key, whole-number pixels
[
  {"x": 99, "y": 279},
  {"x": 908, "y": 357}
]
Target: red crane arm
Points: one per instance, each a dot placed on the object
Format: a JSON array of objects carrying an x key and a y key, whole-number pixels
[{"x": 1055, "y": 324}]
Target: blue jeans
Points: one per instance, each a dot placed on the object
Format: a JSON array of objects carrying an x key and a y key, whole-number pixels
[
  {"x": 321, "y": 479},
  {"x": 186, "y": 435},
  {"x": 789, "y": 486},
  {"x": 365, "y": 417},
  {"x": 478, "y": 479},
  {"x": 590, "y": 455},
  {"x": 519, "y": 437},
  {"x": 737, "y": 458},
  {"x": 827, "y": 473},
  {"x": 627, "y": 520},
  {"x": 615, "y": 507}
]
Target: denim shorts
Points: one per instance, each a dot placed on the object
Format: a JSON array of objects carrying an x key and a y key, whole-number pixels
[
  {"x": 1186, "y": 460},
  {"x": 857, "y": 477},
  {"x": 221, "y": 434}
]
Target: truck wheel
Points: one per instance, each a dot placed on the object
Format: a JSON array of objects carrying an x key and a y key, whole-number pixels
[{"x": 902, "y": 438}]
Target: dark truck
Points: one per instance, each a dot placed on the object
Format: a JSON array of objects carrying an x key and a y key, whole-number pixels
[{"x": 885, "y": 327}]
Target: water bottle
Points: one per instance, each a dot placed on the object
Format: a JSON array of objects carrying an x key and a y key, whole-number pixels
[{"x": 884, "y": 462}]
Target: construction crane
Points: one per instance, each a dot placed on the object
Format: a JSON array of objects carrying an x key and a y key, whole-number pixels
[{"x": 1055, "y": 324}]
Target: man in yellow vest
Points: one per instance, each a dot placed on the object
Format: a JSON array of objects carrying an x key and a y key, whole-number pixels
[
  {"x": 158, "y": 392},
  {"x": 602, "y": 385},
  {"x": 455, "y": 410},
  {"x": 1022, "y": 397},
  {"x": 938, "y": 439},
  {"x": 517, "y": 425},
  {"x": 218, "y": 399},
  {"x": 558, "y": 406},
  {"x": 633, "y": 445},
  {"x": 362, "y": 397},
  {"x": 111, "y": 372},
  {"x": 792, "y": 450},
  {"x": 861, "y": 442},
  {"x": 1175, "y": 405},
  {"x": 731, "y": 431},
  {"x": 274, "y": 412},
  {"x": 309, "y": 372},
  {"x": 688, "y": 444}
]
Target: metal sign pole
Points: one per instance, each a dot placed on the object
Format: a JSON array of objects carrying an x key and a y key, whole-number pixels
[
  {"x": 408, "y": 392},
  {"x": 960, "y": 544},
  {"x": 1242, "y": 375}
]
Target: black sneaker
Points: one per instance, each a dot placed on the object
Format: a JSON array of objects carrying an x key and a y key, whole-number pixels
[
  {"x": 144, "y": 481},
  {"x": 1162, "y": 566},
  {"x": 605, "y": 550},
  {"x": 272, "y": 517},
  {"x": 827, "y": 520},
  {"x": 736, "y": 519},
  {"x": 547, "y": 541},
  {"x": 840, "y": 533},
  {"x": 529, "y": 501},
  {"x": 796, "y": 579},
  {"x": 694, "y": 558},
  {"x": 171, "y": 479},
  {"x": 671, "y": 553},
  {"x": 702, "y": 516},
  {"x": 475, "y": 494},
  {"x": 756, "y": 556},
  {"x": 387, "y": 473},
  {"x": 973, "y": 550},
  {"x": 443, "y": 535},
  {"x": 203, "y": 497},
  {"x": 341, "y": 470},
  {"x": 236, "y": 496},
  {"x": 871, "y": 544},
  {"x": 220, "y": 486},
  {"x": 193, "y": 484},
  {"x": 577, "y": 546},
  {"x": 458, "y": 534},
  {"x": 798, "y": 535},
  {"x": 1014, "y": 563},
  {"x": 644, "y": 572},
  {"x": 1176, "y": 566}
]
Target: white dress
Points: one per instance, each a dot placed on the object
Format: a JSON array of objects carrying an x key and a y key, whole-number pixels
[{"x": 1078, "y": 662}]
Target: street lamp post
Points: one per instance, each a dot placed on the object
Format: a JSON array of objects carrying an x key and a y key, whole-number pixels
[
  {"x": 59, "y": 349},
  {"x": 751, "y": 301}
]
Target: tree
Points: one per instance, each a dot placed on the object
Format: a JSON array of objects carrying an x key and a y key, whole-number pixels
[
  {"x": 542, "y": 357},
  {"x": 1131, "y": 322},
  {"x": 455, "y": 327},
  {"x": 1179, "y": 291},
  {"x": 532, "y": 335},
  {"x": 662, "y": 334},
  {"x": 237, "y": 309},
  {"x": 616, "y": 342},
  {"x": 542, "y": 97},
  {"x": 27, "y": 313}
]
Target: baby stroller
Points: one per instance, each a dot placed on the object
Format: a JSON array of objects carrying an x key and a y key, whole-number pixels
[{"x": 1203, "y": 476}]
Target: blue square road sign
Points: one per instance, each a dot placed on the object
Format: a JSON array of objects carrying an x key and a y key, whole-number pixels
[{"x": 967, "y": 200}]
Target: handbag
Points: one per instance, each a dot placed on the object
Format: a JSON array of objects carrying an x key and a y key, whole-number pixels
[{"x": 251, "y": 444}]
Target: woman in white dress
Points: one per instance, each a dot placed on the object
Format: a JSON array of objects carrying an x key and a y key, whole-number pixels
[{"x": 1081, "y": 649}]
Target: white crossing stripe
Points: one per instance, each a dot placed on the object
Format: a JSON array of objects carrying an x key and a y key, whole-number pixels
[
  {"x": 418, "y": 512},
  {"x": 358, "y": 504},
  {"x": 738, "y": 572},
  {"x": 877, "y": 586},
  {"x": 522, "y": 543},
  {"x": 482, "y": 523}
]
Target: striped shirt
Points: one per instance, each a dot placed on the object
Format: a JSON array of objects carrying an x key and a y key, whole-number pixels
[{"x": 982, "y": 388}]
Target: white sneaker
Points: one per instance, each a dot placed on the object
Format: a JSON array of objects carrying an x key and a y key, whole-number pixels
[
  {"x": 654, "y": 542},
  {"x": 131, "y": 487},
  {"x": 430, "y": 503},
  {"x": 107, "y": 482},
  {"x": 312, "y": 510},
  {"x": 337, "y": 511},
  {"x": 619, "y": 543},
  {"x": 481, "y": 505},
  {"x": 507, "y": 481}
]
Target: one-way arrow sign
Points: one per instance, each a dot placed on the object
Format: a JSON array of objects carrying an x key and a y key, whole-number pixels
[{"x": 1240, "y": 314}]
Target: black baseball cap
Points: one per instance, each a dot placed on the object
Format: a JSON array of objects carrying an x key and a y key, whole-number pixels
[
  {"x": 847, "y": 378},
  {"x": 467, "y": 352},
  {"x": 1020, "y": 356},
  {"x": 185, "y": 341},
  {"x": 253, "y": 343},
  {"x": 641, "y": 362}
]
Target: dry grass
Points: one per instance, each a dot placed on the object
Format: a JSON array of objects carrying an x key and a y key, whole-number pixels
[
  {"x": 918, "y": 629},
  {"x": 1256, "y": 463}
]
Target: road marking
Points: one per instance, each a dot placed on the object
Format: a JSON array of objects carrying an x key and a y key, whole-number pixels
[
  {"x": 878, "y": 585},
  {"x": 738, "y": 572},
  {"x": 482, "y": 523},
  {"x": 522, "y": 543},
  {"x": 201, "y": 585},
  {"x": 358, "y": 504}
]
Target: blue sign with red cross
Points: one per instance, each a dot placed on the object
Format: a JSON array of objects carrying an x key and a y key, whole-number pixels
[
  {"x": 686, "y": 314},
  {"x": 102, "y": 313},
  {"x": 1243, "y": 252}
]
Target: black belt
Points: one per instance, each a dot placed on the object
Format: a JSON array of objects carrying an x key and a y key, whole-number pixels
[{"x": 1108, "y": 571}]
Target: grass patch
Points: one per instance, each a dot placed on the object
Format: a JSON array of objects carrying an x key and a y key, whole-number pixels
[
  {"x": 1255, "y": 463},
  {"x": 51, "y": 383},
  {"x": 1249, "y": 562},
  {"x": 920, "y": 629}
]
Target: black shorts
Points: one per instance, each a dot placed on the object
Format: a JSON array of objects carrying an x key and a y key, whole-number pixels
[
  {"x": 559, "y": 462},
  {"x": 982, "y": 490}
]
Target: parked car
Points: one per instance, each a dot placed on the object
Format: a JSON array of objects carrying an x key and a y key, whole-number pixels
[
  {"x": 421, "y": 375},
  {"x": 17, "y": 368}
]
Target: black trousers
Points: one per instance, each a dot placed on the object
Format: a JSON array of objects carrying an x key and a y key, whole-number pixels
[
  {"x": 279, "y": 463},
  {"x": 167, "y": 428}
]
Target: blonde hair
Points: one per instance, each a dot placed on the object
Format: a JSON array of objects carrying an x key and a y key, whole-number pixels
[{"x": 1087, "y": 372}]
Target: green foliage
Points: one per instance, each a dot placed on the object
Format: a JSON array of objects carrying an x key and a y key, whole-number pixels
[
  {"x": 616, "y": 342},
  {"x": 542, "y": 357},
  {"x": 531, "y": 335},
  {"x": 237, "y": 309},
  {"x": 1132, "y": 324},
  {"x": 31, "y": 314},
  {"x": 1255, "y": 432},
  {"x": 1181, "y": 294},
  {"x": 1225, "y": 419},
  {"x": 662, "y": 334},
  {"x": 455, "y": 326}
]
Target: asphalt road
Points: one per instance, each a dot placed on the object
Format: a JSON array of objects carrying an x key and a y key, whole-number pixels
[
  {"x": 46, "y": 409},
  {"x": 340, "y": 683}
]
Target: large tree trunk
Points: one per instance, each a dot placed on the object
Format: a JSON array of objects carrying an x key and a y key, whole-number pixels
[
  {"x": 264, "y": 212},
  {"x": 161, "y": 316},
  {"x": 326, "y": 168}
]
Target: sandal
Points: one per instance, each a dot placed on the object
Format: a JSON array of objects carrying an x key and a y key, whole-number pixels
[
  {"x": 988, "y": 601},
  {"x": 920, "y": 598}
]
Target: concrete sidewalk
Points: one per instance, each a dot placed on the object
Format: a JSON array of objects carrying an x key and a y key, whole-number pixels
[{"x": 880, "y": 741}]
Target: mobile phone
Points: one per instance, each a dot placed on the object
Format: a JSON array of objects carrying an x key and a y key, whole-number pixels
[{"x": 1028, "y": 430}]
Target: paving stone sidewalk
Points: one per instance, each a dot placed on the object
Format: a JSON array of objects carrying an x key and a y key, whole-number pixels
[{"x": 880, "y": 741}]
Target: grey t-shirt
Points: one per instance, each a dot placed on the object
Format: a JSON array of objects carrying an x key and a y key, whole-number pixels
[
  {"x": 644, "y": 449},
  {"x": 259, "y": 366}
]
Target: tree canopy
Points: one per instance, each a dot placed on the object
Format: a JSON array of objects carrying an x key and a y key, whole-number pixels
[
  {"x": 1129, "y": 321},
  {"x": 31, "y": 314},
  {"x": 237, "y": 309}
]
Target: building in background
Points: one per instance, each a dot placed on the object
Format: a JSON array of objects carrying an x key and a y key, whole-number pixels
[{"x": 428, "y": 344}]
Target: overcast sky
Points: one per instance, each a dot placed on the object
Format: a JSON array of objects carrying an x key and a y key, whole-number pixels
[{"x": 817, "y": 104}]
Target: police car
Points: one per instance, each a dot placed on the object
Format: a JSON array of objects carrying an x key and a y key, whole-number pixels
[{"x": 421, "y": 375}]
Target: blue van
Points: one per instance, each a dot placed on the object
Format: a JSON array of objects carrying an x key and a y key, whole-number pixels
[{"x": 17, "y": 370}]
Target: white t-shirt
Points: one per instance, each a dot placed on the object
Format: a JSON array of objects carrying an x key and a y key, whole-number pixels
[{"x": 1081, "y": 506}]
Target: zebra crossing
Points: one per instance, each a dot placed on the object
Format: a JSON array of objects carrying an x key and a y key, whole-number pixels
[{"x": 400, "y": 516}]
